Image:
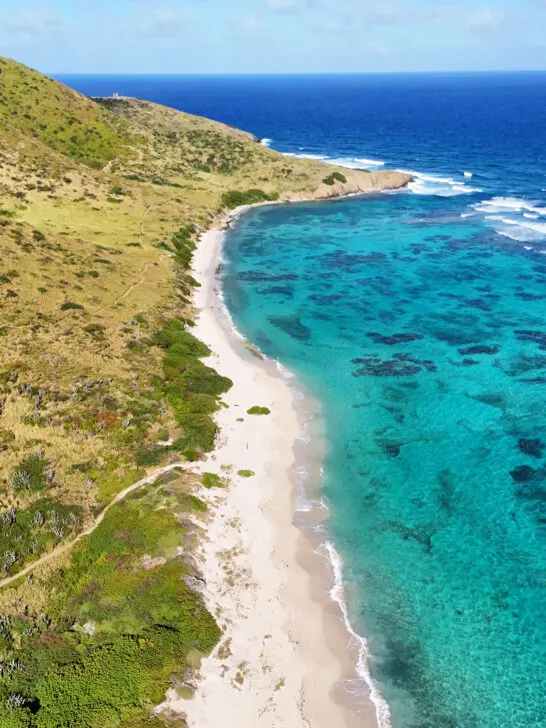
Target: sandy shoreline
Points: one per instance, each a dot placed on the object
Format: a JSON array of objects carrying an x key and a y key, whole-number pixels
[{"x": 286, "y": 658}]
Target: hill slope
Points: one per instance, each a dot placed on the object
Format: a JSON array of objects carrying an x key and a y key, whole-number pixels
[{"x": 100, "y": 208}]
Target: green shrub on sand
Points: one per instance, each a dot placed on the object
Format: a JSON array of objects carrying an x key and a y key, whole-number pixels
[
  {"x": 211, "y": 480},
  {"x": 259, "y": 411}
]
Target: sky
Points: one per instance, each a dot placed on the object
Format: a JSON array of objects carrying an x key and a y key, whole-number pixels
[{"x": 274, "y": 36}]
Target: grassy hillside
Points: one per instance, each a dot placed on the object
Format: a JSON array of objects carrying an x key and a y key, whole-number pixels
[
  {"x": 101, "y": 382},
  {"x": 62, "y": 119}
]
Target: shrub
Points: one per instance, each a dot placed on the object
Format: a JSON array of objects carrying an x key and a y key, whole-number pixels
[
  {"x": 95, "y": 330},
  {"x": 236, "y": 198},
  {"x": 333, "y": 178},
  {"x": 6, "y": 439},
  {"x": 30, "y": 474},
  {"x": 191, "y": 388},
  {"x": 211, "y": 480},
  {"x": 259, "y": 411},
  {"x": 71, "y": 306},
  {"x": 174, "y": 336},
  {"x": 151, "y": 455}
]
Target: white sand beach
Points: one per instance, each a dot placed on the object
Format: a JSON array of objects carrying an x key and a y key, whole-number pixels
[{"x": 284, "y": 656}]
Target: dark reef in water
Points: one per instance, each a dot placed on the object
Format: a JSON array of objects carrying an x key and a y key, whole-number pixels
[
  {"x": 401, "y": 365},
  {"x": 535, "y": 337},
  {"x": 421, "y": 534},
  {"x": 394, "y": 339},
  {"x": 341, "y": 259},
  {"x": 254, "y": 276},
  {"x": 292, "y": 326},
  {"x": 471, "y": 350},
  {"x": 391, "y": 449},
  {"x": 523, "y": 474},
  {"x": 534, "y": 448},
  {"x": 286, "y": 291}
]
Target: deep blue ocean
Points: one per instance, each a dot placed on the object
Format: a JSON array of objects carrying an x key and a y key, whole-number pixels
[{"x": 417, "y": 319}]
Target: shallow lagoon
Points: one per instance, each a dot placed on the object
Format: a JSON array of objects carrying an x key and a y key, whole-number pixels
[{"x": 423, "y": 335}]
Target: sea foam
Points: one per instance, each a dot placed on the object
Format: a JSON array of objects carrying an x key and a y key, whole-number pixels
[
  {"x": 337, "y": 594},
  {"x": 429, "y": 184},
  {"x": 515, "y": 218}
]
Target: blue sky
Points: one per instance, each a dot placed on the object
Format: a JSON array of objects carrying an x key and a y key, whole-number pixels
[{"x": 268, "y": 36}]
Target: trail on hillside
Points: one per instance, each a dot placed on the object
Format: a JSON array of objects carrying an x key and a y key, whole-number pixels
[{"x": 68, "y": 546}]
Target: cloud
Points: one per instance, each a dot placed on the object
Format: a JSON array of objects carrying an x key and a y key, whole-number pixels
[
  {"x": 484, "y": 19},
  {"x": 284, "y": 6},
  {"x": 32, "y": 20},
  {"x": 165, "y": 21}
]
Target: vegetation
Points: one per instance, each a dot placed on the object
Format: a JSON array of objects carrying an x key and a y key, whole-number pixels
[
  {"x": 190, "y": 387},
  {"x": 333, "y": 178},
  {"x": 120, "y": 623},
  {"x": 211, "y": 480},
  {"x": 259, "y": 411},
  {"x": 59, "y": 118},
  {"x": 235, "y": 198}
]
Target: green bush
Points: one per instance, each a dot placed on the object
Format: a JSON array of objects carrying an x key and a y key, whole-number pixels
[
  {"x": 95, "y": 330},
  {"x": 211, "y": 480},
  {"x": 334, "y": 177},
  {"x": 29, "y": 532},
  {"x": 258, "y": 411},
  {"x": 30, "y": 474},
  {"x": 7, "y": 437},
  {"x": 71, "y": 306},
  {"x": 152, "y": 455},
  {"x": 147, "y": 624},
  {"x": 236, "y": 198},
  {"x": 191, "y": 388}
]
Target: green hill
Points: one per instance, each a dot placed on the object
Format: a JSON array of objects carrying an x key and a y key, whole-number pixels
[
  {"x": 101, "y": 205},
  {"x": 33, "y": 105}
]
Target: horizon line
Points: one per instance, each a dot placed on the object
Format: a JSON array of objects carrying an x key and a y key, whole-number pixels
[{"x": 296, "y": 73}]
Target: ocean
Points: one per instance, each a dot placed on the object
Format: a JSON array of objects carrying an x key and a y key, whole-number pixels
[{"x": 417, "y": 320}]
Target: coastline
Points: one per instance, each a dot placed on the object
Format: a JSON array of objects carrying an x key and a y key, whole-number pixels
[{"x": 288, "y": 655}]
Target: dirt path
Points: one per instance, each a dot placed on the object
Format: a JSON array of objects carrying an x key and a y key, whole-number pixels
[{"x": 68, "y": 546}]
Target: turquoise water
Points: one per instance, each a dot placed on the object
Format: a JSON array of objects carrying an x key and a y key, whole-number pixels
[{"x": 423, "y": 335}]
